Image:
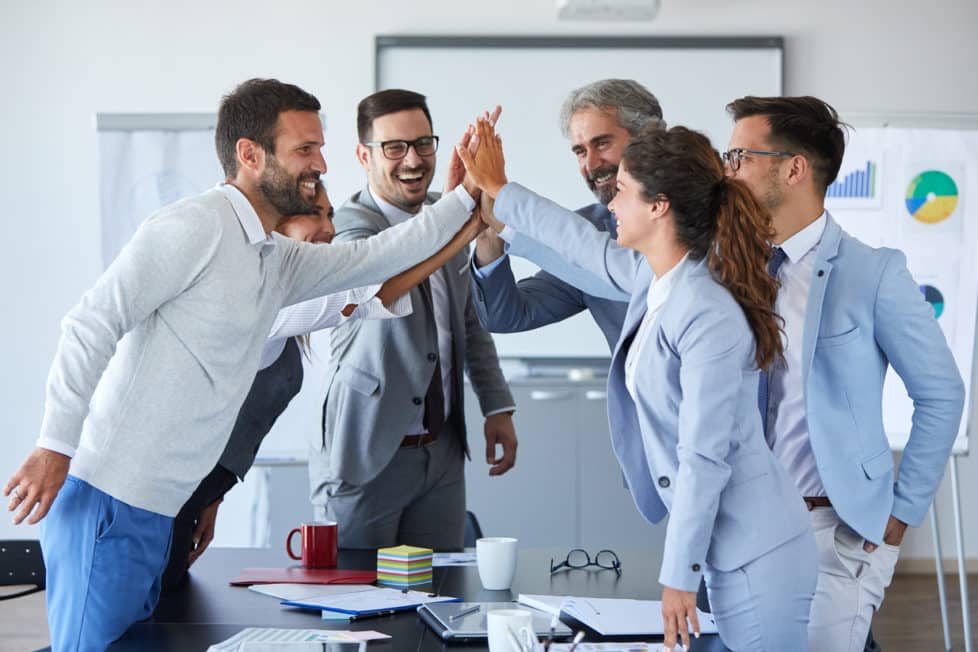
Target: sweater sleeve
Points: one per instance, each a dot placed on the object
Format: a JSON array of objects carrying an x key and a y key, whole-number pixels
[
  {"x": 166, "y": 254},
  {"x": 311, "y": 270}
]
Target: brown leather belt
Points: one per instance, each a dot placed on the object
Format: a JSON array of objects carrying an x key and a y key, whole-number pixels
[
  {"x": 816, "y": 501},
  {"x": 417, "y": 441}
]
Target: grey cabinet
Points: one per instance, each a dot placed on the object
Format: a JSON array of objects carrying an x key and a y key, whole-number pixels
[{"x": 567, "y": 488}]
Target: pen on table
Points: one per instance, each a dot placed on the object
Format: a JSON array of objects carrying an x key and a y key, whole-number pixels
[
  {"x": 553, "y": 629},
  {"x": 465, "y": 612},
  {"x": 373, "y": 614},
  {"x": 578, "y": 637}
]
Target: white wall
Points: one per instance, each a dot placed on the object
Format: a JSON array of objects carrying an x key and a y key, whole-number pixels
[{"x": 64, "y": 61}]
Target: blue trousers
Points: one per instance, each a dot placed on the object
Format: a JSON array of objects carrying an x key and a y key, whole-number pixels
[
  {"x": 104, "y": 560},
  {"x": 765, "y": 604}
]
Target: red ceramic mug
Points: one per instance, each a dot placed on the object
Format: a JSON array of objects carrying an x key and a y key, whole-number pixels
[{"x": 318, "y": 545}]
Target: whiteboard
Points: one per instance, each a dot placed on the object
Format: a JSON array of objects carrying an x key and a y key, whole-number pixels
[
  {"x": 147, "y": 161},
  {"x": 889, "y": 161},
  {"x": 693, "y": 78}
]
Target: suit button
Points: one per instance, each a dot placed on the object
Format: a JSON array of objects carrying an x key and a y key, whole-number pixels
[
  {"x": 417, "y": 401},
  {"x": 696, "y": 568},
  {"x": 432, "y": 357},
  {"x": 664, "y": 482}
]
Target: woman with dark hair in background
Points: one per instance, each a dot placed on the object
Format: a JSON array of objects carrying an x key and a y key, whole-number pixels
[{"x": 683, "y": 385}]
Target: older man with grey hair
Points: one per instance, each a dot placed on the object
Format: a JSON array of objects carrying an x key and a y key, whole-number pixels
[{"x": 599, "y": 119}]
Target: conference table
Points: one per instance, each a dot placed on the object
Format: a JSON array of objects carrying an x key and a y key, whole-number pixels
[{"x": 207, "y": 610}]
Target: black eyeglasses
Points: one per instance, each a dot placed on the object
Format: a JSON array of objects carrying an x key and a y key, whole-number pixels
[
  {"x": 398, "y": 149},
  {"x": 579, "y": 558},
  {"x": 733, "y": 157}
]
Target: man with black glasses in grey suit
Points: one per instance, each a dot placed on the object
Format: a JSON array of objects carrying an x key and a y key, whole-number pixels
[{"x": 389, "y": 467}]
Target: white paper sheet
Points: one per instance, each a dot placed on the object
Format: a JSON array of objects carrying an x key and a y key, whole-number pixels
[
  {"x": 303, "y": 591},
  {"x": 283, "y": 635},
  {"x": 612, "y": 616}
]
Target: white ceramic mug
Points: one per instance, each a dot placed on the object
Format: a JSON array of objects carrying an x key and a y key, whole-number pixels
[
  {"x": 496, "y": 557},
  {"x": 510, "y": 630}
]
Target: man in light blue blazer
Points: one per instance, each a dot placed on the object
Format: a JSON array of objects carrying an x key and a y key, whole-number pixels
[
  {"x": 599, "y": 119},
  {"x": 850, "y": 311}
]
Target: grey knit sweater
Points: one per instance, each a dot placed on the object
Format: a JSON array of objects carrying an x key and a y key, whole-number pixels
[{"x": 157, "y": 357}]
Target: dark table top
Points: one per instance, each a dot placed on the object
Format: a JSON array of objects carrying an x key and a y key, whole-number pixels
[{"x": 207, "y": 610}]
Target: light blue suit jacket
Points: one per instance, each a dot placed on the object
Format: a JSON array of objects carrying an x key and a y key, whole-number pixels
[
  {"x": 866, "y": 312},
  {"x": 691, "y": 444},
  {"x": 507, "y": 306}
]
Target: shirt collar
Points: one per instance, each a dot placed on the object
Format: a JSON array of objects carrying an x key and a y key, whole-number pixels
[
  {"x": 660, "y": 288},
  {"x": 805, "y": 240},
  {"x": 247, "y": 216},
  {"x": 393, "y": 214}
]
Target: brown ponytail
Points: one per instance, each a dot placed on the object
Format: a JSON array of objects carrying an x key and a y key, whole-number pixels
[
  {"x": 716, "y": 218},
  {"x": 738, "y": 261}
]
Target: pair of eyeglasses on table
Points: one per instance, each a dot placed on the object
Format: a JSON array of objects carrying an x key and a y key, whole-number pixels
[{"x": 579, "y": 558}]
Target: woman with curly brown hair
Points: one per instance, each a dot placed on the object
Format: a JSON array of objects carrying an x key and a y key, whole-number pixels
[{"x": 691, "y": 256}]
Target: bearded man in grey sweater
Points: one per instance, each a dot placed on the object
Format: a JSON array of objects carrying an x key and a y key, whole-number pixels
[{"x": 155, "y": 360}]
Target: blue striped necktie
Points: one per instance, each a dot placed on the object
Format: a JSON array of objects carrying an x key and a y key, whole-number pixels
[{"x": 773, "y": 265}]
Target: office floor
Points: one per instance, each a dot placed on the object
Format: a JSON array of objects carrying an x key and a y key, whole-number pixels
[{"x": 909, "y": 621}]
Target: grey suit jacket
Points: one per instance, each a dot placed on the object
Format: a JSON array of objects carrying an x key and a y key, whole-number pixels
[
  {"x": 507, "y": 306},
  {"x": 380, "y": 369}
]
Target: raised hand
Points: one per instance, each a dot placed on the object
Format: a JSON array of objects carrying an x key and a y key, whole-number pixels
[
  {"x": 487, "y": 167},
  {"x": 456, "y": 171},
  {"x": 486, "y": 205},
  {"x": 488, "y": 247}
]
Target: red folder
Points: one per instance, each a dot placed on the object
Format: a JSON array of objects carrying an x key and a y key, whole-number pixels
[{"x": 301, "y": 575}]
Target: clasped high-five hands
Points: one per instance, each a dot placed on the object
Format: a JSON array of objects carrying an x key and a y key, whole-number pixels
[{"x": 481, "y": 157}]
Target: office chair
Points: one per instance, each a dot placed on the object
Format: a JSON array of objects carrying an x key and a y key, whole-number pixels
[
  {"x": 472, "y": 530},
  {"x": 21, "y": 563}
]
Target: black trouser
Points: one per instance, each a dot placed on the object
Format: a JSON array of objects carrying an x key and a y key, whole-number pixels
[{"x": 213, "y": 487}]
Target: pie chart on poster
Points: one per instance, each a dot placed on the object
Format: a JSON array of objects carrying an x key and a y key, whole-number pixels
[
  {"x": 934, "y": 297},
  {"x": 932, "y": 196}
]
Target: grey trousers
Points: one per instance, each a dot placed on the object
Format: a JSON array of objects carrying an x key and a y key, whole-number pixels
[
  {"x": 851, "y": 584},
  {"x": 418, "y": 500}
]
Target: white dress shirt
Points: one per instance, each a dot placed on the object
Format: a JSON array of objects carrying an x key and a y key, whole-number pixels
[
  {"x": 657, "y": 295},
  {"x": 443, "y": 319},
  {"x": 443, "y": 322},
  {"x": 325, "y": 312},
  {"x": 787, "y": 423}
]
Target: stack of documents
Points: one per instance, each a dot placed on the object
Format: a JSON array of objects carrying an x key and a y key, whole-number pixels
[
  {"x": 281, "y": 635},
  {"x": 607, "y": 647},
  {"x": 302, "y": 575},
  {"x": 366, "y": 601},
  {"x": 453, "y": 559},
  {"x": 612, "y": 616}
]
